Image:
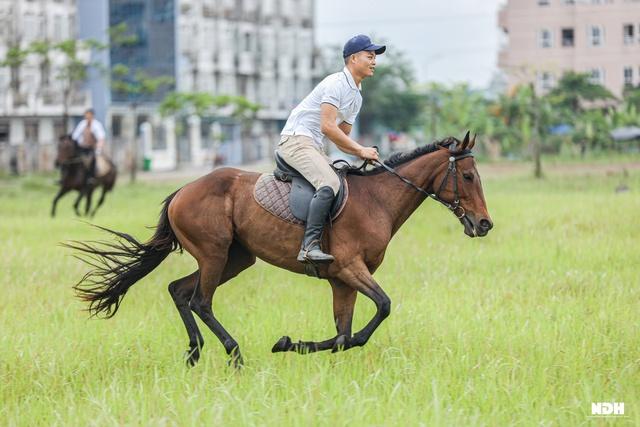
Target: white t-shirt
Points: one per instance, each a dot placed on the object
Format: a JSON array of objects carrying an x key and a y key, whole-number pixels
[
  {"x": 338, "y": 89},
  {"x": 96, "y": 129}
]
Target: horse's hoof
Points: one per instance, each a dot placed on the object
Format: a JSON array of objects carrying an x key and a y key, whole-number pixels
[
  {"x": 283, "y": 344},
  {"x": 236, "y": 361},
  {"x": 192, "y": 357},
  {"x": 340, "y": 344}
]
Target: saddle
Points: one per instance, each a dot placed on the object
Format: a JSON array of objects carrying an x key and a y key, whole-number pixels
[
  {"x": 286, "y": 194},
  {"x": 103, "y": 164}
]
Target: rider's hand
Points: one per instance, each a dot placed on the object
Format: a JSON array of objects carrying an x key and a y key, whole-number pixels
[{"x": 368, "y": 153}]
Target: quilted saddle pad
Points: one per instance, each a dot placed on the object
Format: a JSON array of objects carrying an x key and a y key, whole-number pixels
[{"x": 273, "y": 195}]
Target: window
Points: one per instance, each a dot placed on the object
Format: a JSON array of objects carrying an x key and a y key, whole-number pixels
[
  {"x": 116, "y": 126},
  {"x": 627, "y": 31},
  {"x": 596, "y": 35},
  {"x": 543, "y": 2},
  {"x": 568, "y": 1},
  {"x": 568, "y": 39},
  {"x": 4, "y": 131},
  {"x": 544, "y": 39},
  {"x": 545, "y": 80},
  {"x": 57, "y": 28},
  {"x": 247, "y": 42},
  {"x": 597, "y": 76},
  {"x": 628, "y": 76},
  {"x": 31, "y": 27},
  {"x": 31, "y": 131}
]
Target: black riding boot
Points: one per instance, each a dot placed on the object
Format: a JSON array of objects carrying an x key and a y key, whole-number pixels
[
  {"x": 91, "y": 172},
  {"x": 318, "y": 212}
]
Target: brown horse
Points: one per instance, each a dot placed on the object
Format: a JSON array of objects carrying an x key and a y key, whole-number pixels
[
  {"x": 217, "y": 221},
  {"x": 73, "y": 173}
]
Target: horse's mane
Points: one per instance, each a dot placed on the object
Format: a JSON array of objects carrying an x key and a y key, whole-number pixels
[{"x": 406, "y": 156}]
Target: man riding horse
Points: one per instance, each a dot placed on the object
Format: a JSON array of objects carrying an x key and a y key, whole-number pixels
[
  {"x": 90, "y": 135},
  {"x": 328, "y": 113}
]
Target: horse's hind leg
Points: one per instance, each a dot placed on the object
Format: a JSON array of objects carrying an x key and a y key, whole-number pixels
[
  {"x": 182, "y": 291},
  {"x": 215, "y": 269},
  {"x": 344, "y": 300}
]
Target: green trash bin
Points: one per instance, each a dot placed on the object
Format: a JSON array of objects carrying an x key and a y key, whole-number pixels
[{"x": 146, "y": 164}]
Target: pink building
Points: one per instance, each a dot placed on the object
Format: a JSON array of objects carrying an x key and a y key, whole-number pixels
[{"x": 544, "y": 38}]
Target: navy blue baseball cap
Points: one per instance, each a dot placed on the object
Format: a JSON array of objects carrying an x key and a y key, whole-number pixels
[{"x": 359, "y": 43}]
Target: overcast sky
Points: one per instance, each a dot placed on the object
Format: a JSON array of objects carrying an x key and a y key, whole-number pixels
[{"x": 447, "y": 41}]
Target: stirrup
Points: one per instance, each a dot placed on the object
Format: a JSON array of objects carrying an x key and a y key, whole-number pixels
[{"x": 303, "y": 256}]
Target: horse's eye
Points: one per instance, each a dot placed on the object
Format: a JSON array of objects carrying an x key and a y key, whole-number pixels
[{"x": 467, "y": 176}]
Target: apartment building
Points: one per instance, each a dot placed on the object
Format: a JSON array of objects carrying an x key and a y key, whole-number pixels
[
  {"x": 544, "y": 38},
  {"x": 31, "y": 95},
  {"x": 259, "y": 49}
]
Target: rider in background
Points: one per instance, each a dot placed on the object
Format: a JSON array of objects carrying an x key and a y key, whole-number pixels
[
  {"x": 90, "y": 135},
  {"x": 328, "y": 114}
]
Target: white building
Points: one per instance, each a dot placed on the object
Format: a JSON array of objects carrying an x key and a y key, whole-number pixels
[
  {"x": 260, "y": 49},
  {"x": 31, "y": 100}
]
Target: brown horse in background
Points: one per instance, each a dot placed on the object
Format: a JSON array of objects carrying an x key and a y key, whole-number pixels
[
  {"x": 73, "y": 173},
  {"x": 217, "y": 221}
]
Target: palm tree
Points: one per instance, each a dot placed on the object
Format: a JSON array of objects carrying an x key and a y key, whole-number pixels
[{"x": 574, "y": 89}]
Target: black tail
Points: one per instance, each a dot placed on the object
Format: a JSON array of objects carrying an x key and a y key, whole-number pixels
[{"x": 119, "y": 265}]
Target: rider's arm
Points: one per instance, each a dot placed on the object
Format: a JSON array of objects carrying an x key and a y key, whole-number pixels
[
  {"x": 345, "y": 127},
  {"x": 75, "y": 135},
  {"x": 328, "y": 126}
]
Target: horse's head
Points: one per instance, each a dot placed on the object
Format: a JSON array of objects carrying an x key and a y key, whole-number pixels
[
  {"x": 66, "y": 150},
  {"x": 457, "y": 184}
]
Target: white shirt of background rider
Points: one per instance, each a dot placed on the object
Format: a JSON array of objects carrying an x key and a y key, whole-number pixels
[{"x": 96, "y": 129}]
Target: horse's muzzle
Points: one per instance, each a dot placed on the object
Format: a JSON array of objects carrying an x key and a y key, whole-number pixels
[{"x": 474, "y": 228}]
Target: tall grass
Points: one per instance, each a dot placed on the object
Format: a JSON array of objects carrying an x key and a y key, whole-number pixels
[{"x": 527, "y": 326}]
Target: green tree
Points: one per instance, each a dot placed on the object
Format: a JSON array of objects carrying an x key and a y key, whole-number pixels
[
  {"x": 201, "y": 103},
  {"x": 13, "y": 59},
  {"x": 574, "y": 89},
  {"x": 390, "y": 100},
  {"x": 135, "y": 86},
  {"x": 75, "y": 67},
  {"x": 42, "y": 49}
]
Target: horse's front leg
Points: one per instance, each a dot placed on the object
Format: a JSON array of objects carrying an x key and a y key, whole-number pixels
[
  {"x": 344, "y": 299},
  {"x": 362, "y": 280},
  {"x": 100, "y": 202},
  {"x": 61, "y": 193},
  {"x": 87, "y": 206},
  {"x": 76, "y": 204}
]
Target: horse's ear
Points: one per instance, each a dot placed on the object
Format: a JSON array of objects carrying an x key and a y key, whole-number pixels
[
  {"x": 473, "y": 142},
  {"x": 465, "y": 141}
]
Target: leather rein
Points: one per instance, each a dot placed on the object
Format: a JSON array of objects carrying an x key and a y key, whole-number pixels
[{"x": 451, "y": 171}]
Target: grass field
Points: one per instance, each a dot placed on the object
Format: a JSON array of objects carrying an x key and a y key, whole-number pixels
[{"x": 527, "y": 326}]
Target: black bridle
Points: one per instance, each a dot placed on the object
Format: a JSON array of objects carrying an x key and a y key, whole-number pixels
[{"x": 451, "y": 170}]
